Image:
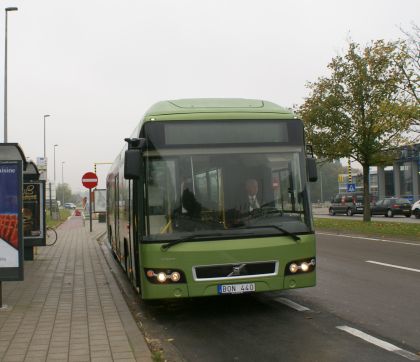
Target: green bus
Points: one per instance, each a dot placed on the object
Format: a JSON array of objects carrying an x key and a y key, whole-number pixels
[{"x": 210, "y": 197}]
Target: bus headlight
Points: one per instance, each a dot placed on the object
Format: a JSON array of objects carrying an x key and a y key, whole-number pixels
[
  {"x": 161, "y": 277},
  {"x": 304, "y": 267},
  {"x": 164, "y": 276},
  {"x": 293, "y": 268},
  {"x": 175, "y": 276},
  {"x": 300, "y": 266}
]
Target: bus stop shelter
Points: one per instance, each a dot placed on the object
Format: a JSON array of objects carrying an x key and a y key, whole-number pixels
[
  {"x": 33, "y": 210},
  {"x": 12, "y": 165}
]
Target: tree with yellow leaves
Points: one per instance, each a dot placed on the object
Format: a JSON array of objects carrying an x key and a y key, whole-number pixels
[{"x": 361, "y": 110}]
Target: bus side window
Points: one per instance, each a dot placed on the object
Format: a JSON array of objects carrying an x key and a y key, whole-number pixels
[{"x": 160, "y": 196}]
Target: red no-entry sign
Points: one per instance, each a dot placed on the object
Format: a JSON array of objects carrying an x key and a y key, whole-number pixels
[{"x": 89, "y": 180}]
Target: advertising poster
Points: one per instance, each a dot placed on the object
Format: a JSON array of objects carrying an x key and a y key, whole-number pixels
[
  {"x": 33, "y": 216},
  {"x": 10, "y": 218},
  {"x": 41, "y": 163},
  {"x": 100, "y": 200}
]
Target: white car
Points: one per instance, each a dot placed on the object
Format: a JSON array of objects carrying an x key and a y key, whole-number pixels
[
  {"x": 69, "y": 205},
  {"x": 415, "y": 209}
]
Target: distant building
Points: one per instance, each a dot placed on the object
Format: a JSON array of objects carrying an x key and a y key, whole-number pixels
[{"x": 402, "y": 178}]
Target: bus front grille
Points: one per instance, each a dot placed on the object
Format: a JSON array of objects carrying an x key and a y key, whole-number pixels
[{"x": 235, "y": 271}]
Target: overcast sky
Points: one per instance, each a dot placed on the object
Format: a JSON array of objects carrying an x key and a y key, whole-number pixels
[{"x": 97, "y": 65}]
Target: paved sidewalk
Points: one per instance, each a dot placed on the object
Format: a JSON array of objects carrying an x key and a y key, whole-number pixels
[{"x": 69, "y": 307}]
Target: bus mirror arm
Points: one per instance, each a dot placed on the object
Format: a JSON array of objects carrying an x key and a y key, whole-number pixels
[
  {"x": 311, "y": 169},
  {"x": 136, "y": 143},
  {"x": 132, "y": 158}
]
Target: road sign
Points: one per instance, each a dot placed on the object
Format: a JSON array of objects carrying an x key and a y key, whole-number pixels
[
  {"x": 89, "y": 180},
  {"x": 351, "y": 187}
]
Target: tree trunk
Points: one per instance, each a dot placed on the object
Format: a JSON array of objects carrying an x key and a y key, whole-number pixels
[{"x": 366, "y": 195}]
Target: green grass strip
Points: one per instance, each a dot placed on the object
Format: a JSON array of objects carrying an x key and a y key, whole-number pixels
[
  {"x": 372, "y": 228},
  {"x": 64, "y": 214}
]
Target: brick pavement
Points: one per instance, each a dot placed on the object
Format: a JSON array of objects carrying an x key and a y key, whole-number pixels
[{"x": 69, "y": 307}]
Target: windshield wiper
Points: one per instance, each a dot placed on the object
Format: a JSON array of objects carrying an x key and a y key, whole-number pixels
[
  {"x": 264, "y": 211},
  {"x": 166, "y": 246},
  {"x": 284, "y": 231}
]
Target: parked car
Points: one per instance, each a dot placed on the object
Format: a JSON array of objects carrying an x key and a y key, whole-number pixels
[
  {"x": 69, "y": 205},
  {"x": 349, "y": 204},
  {"x": 391, "y": 206},
  {"x": 415, "y": 209}
]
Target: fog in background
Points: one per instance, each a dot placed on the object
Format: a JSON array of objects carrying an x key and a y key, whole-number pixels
[{"x": 97, "y": 66}]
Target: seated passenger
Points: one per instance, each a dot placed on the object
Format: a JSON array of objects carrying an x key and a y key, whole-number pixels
[{"x": 190, "y": 205}]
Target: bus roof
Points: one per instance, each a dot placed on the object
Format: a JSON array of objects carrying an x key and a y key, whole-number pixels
[{"x": 216, "y": 108}]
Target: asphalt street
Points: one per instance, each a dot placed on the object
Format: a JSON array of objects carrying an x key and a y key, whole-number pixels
[
  {"x": 372, "y": 283},
  {"x": 365, "y": 307}
]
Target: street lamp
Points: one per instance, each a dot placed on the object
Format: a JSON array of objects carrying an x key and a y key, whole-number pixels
[
  {"x": 62, "y": 181},
  {"x": 45, "y": 152},
  {"x": 5, "y": 72},
  {"x": 54, "y": 162}
]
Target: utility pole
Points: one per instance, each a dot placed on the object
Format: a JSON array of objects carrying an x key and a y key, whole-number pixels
[{"x": 5, "y": 76}]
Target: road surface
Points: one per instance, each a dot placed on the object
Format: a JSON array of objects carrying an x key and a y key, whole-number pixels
[{"x": 365, "y": 307}]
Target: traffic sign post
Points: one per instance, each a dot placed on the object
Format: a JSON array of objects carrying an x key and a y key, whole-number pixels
[
  {"x": 351, "y": 187},
  {"x": 90, "y": 180}
]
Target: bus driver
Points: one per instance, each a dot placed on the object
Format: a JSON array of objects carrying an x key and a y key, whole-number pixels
[{"x": 252, "y": 202}]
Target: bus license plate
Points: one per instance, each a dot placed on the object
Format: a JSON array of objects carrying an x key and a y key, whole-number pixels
[{"x": 236, "y": 288}]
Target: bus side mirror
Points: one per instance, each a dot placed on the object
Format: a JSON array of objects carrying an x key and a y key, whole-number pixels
[
  {"x": 311, "y": 169},
  {"x": 132, "y": 158},
  {"x": 132, "y": 167}
]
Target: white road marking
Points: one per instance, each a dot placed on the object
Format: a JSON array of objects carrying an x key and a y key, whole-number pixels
[
  {"x": 393, "y": 266},
  {"x": 291, "y": 304},
  {"x": 374, "y": 239},
  {"x": 379, "y": 343}
]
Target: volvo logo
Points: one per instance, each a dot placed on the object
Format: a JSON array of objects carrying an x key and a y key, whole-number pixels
[{"x": 236, "y": 271}]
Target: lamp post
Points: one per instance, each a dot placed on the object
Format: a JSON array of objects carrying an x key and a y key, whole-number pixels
[
  {"x": 5, "y": 72},
  {"x": 54, "y": 162},
  {"x": 62, "y": 180},
  {"x": 45, "y": 151}
]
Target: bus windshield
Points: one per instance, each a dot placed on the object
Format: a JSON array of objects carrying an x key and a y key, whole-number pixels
[{"x": 228, "y": 191}]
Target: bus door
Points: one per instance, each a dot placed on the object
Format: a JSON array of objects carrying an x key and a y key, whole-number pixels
[
  {"x": 117, "y": 216},
  {"x": 285, "y": 192},
  {"x": 132, "y": 239}
]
